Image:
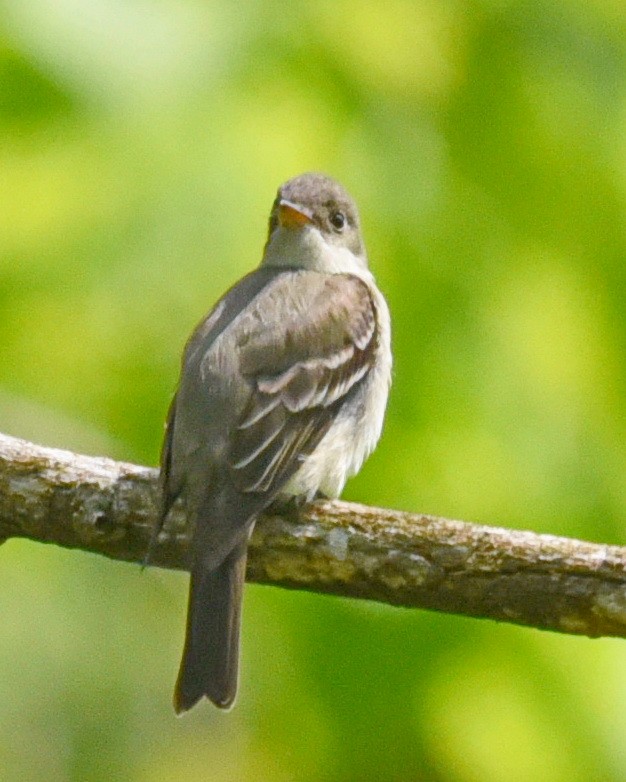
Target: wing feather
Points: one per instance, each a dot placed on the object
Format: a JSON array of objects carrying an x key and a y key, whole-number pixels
[{"x": 301, "y": 369}]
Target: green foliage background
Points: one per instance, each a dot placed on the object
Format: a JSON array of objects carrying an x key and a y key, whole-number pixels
[{"x": 141, "y": 144}]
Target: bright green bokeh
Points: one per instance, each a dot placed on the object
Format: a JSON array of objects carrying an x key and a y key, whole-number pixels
[{"x": 140, "y": 148}]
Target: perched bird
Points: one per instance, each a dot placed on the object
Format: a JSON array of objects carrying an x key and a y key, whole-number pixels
[{"x": 282, "y": 395}]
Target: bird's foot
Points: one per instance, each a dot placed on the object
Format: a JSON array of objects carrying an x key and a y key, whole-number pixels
[
  {"x": 291, "y": 508},
  {"x": 288, "y": 507}
]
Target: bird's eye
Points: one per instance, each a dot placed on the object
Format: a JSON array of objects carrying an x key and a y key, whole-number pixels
[{"x": 338, "y": 220}]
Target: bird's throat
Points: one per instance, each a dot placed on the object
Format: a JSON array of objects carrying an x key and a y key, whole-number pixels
[{"x": 306, "y": 248}]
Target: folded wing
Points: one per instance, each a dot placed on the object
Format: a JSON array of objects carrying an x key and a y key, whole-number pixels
[{"x": 302, "y": 365}]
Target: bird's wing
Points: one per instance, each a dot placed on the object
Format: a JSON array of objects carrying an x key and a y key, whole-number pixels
[
  {"x": 304, "y": 347},
  {"x": 221, "y": 316},
  {"x": 168, "y": 490}
]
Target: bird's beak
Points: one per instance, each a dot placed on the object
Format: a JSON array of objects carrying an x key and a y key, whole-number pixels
[{"x": 292, "y": 215}]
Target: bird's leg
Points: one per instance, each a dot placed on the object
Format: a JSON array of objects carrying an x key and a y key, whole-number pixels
[{"x": 290, "y": 508}]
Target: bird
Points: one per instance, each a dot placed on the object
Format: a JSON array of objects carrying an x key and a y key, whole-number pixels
[{"x": 281, "y": 397}]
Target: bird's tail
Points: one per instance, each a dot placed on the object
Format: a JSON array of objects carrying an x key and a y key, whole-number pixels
[{"x": 211, "y": 656}]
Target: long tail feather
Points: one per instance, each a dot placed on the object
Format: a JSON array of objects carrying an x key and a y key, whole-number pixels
[{"x": 210, "y": 662}]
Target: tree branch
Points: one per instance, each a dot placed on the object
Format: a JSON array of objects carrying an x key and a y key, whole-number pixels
[{"x": 339, "y": 548}]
